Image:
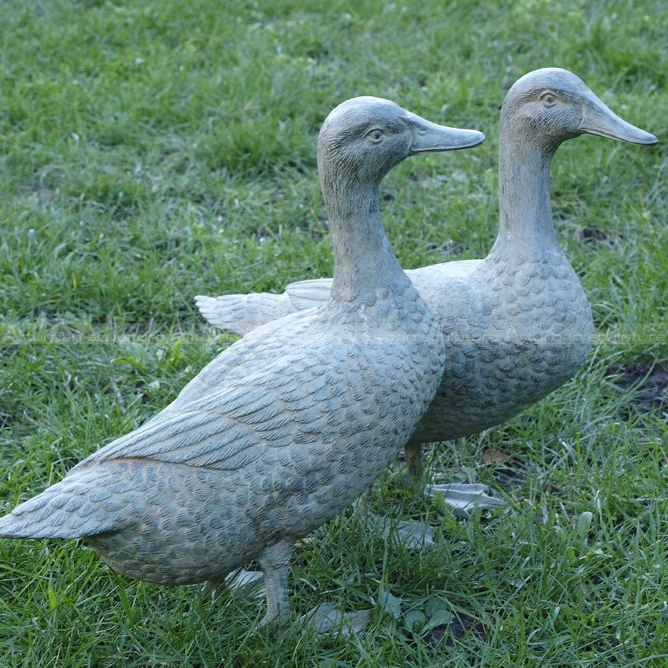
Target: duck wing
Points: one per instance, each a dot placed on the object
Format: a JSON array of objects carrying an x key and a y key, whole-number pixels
[{"x": 233, "y": 426}]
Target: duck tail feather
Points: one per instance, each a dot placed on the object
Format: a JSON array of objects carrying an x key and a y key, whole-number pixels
[{"x": 240, "y": 314}]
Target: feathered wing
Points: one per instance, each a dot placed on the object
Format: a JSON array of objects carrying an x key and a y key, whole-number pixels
[
  {"x": 227, "y": 428},
  {"x": 252, "y": 354}
]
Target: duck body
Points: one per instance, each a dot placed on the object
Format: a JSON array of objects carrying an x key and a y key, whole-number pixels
[
  {"x": 517, "y": 324},
  {"x": 514, "y": 333},
  {"x": 241, "y": 462},
  {"x": 289, "y": 425}
]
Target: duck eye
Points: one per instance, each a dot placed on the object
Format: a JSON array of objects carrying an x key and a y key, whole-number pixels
[
  {"x": 374, "y": 135},
  {"x": 548, "y": 99}
]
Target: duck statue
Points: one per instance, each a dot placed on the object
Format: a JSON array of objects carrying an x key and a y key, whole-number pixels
[
  {"x": 288, "y": 426},
  {"x": 517, "y": 324}
]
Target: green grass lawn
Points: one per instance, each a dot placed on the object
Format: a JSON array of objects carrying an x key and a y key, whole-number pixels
[{"x": 151, "y": 151}]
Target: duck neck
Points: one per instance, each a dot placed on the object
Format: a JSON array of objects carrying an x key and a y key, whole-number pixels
[
  {"x": 526, "y": 229},
  {"x": 363, "y": 258}
]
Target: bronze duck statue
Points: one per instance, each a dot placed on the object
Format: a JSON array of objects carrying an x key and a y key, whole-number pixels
[
  {"x": 517, "y": 324},
  {"x": 288, "y": 426}
]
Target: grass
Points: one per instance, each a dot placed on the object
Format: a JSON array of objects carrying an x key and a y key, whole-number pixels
[{"x": 153, "y": 151}]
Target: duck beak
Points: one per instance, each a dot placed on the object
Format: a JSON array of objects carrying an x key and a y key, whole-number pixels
[
  {"x": 599, "y": 119},
  {"x": 428, "y": 136}
]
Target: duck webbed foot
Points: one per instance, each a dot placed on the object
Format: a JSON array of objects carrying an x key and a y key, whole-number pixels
[
  {"x": 415, "y": 535},
  {"x": 327, "y": 619},
  {"x": 464, "y": 497}
]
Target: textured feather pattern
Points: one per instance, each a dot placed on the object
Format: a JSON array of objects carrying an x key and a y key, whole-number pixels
[
  {"x": 513, "y": 335},
  {"x": 263, "y": 454}
]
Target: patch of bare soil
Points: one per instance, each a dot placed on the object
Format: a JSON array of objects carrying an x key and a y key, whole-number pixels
[
  {"x": 649, "y": 379},
  {"x": 457, "y": 628}
]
